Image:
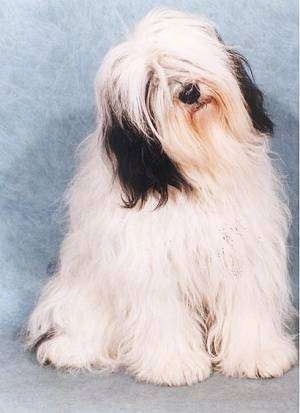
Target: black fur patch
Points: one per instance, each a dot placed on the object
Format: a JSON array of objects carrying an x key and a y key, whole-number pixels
[
  {"x": 252, "y": 94},
  {"x": 141, "y": 165}
]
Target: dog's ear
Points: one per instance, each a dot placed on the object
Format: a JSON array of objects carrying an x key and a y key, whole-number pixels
[
  {"x": 251, "y": 93},
  {"x": 140, "y": 164}
]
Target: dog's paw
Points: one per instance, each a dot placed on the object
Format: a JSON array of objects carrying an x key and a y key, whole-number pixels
[
  {"x": 177, "y": 371},
  {"x": 265, "y": 363},
  {"x": 65, "y": 352}
]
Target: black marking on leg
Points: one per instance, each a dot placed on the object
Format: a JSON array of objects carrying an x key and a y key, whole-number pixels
[{"x": 44, "y": 337}]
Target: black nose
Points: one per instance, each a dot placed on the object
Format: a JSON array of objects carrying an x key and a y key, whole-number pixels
[{"x": 190, "y": 94}]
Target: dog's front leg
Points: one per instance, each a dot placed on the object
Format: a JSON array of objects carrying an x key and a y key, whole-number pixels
[
  {"x": 162, "y": 342},
  {"x": 251, "y": 311}
]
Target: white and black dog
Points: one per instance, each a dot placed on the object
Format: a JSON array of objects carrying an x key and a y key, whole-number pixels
[{"x": 175, "y": 259}]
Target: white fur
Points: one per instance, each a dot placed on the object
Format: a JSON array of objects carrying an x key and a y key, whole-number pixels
[{"x": 166, "y": 292}]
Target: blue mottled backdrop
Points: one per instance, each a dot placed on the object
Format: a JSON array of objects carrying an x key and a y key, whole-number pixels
[{"x": 49, "y": 54}]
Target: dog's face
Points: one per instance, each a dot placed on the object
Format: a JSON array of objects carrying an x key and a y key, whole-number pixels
[{"x": 171, "y": 100}]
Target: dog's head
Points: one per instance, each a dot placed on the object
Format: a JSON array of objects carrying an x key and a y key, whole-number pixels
[{"x": 171, "y": 101}]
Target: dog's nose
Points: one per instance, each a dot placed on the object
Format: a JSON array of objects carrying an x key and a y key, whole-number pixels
[{"x": 190, "y": 94}]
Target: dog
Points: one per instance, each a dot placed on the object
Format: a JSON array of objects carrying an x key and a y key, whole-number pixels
[{"x": 175, "y": 258}]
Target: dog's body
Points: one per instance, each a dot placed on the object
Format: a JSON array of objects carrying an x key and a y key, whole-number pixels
[{"x": 194, "y": 270}]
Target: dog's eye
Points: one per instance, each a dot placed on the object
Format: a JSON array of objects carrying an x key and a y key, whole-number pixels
[{"x": 190, "y": 94}]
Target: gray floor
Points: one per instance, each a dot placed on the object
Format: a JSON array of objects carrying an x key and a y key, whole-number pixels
[
  {"x": 27, "y": 388},
  {"x": 50, "y": 51}
]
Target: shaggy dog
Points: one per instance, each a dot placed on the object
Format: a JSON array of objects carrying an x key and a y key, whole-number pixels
[{"x": 175, "y": 259}]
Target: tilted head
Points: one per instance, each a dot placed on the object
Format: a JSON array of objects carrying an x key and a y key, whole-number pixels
[{"x": 171, "y": 101}]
